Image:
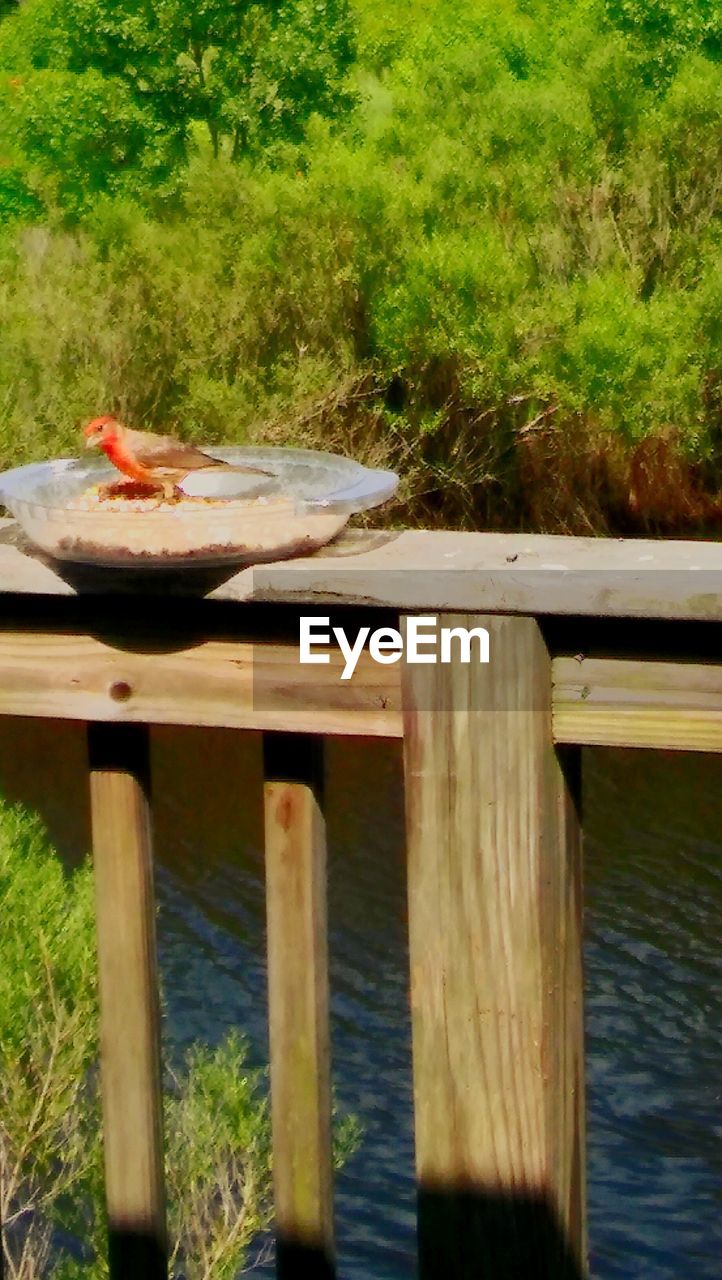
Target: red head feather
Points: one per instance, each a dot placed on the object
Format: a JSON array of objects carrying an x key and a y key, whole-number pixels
[{"x": 96, "y": 427}]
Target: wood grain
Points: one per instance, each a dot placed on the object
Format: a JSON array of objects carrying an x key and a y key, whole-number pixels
[
  {"x": 495, "y": 955},
  {"x": 129, "y": 1012},
  {"x": 233, "y": 684},
  {"x": 621, "y": 703},
  {"x": 262, "y": 685},
  {"x": 298, "y": 996}
]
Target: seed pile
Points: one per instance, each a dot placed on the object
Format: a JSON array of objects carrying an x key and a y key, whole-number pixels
[
  {"x": 133, "y": 495},
  {"x": 128, "y": 523}
]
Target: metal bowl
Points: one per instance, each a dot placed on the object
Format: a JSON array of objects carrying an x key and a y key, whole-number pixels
[{"x": 306, "y": 501}]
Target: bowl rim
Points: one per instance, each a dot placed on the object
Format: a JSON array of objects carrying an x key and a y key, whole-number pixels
[{"x": 360, "y": 489}]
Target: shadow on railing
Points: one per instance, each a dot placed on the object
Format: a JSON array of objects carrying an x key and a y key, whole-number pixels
[
  {"x": 467, "y": 1233},
  {"x": 133, "y": 1253},
  {"x": 295, "y": 1258}
]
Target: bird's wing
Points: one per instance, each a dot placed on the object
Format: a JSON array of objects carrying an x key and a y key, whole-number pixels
[
  {"x": 153, "y": 450},
  {"x": 159, "y": 452}
]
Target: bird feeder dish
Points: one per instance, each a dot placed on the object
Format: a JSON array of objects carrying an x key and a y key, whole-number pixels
[{"x": 224, "y": 516}]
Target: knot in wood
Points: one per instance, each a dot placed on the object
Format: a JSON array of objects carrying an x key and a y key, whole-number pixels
[
  {"x": 120, "y": 691},
  {"x": 284, "y": 810}
]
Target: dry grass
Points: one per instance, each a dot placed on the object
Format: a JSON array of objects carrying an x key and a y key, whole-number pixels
[{"x": 496, "y": 468}]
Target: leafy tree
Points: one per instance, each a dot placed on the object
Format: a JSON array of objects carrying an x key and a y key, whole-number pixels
[
  {"x": 668, "y": 29},
  {"x": 110, "y": 94},
  {"x": 252, "y": 70},
  {"x": 75, "y": 136}
]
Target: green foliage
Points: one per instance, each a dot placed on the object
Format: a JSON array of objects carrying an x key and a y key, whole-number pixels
[
  {"x": 81, "y": 135},
  {"x": 107, "y": 96},
  {"x": 514, "y": 229},
  {"x": 18, "y": 201},
  {"x": 218, "y": 1162},
  {"x": 49, "y": 1145},
  {"x": 666, "y": 30}
]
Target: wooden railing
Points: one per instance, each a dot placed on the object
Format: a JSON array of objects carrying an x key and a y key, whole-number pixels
[{"x": 590, "y": 642}]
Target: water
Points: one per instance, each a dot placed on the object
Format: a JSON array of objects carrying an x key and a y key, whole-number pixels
[
  {"x": 653, "y": 974},
  {"x": 654, "y": 1016}
]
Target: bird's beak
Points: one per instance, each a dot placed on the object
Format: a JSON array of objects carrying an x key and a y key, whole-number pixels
[{"x": 92, "y": 442}]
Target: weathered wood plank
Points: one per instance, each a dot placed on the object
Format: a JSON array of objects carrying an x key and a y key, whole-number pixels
[
  {"x": 622, "y": 703},
  {"x": 216, "y": 682},
  {"x": 298, "y": 995},
  {"x": 242, "y": 684},
  {"x": 129, "y": 1013},
  {"x": 430, "y": 570},
  {"x": 495, "y": 956}
]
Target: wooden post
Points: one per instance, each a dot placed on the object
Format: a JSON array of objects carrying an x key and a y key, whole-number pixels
[
  {"x": 129, "y": 1007},
  {"x": 496, "y": 973},
  {"x": 298, "y": 999}
]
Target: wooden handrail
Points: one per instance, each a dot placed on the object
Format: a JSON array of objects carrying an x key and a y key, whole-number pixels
[{"x": 441, "y": 571}]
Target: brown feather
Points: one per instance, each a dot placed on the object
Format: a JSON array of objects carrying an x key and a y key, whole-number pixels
[{"x": 163, "y": 452}]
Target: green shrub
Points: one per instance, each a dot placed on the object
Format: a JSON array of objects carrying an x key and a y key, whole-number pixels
[{"x": 666, "y": 30}]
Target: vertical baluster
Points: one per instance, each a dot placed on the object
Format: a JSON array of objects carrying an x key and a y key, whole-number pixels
[
  {"x": 495, "y": 955},
  {"x": 129, "y": 1007},
  {"x": 299, "y": 1006}
]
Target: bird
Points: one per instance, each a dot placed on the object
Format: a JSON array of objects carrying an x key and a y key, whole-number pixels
[{"x": 160, "y": 461}]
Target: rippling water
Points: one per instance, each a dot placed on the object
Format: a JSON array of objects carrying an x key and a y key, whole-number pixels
[
  {"x": 654, "y": 1015},
  {"x": 653, "y": 977}
]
